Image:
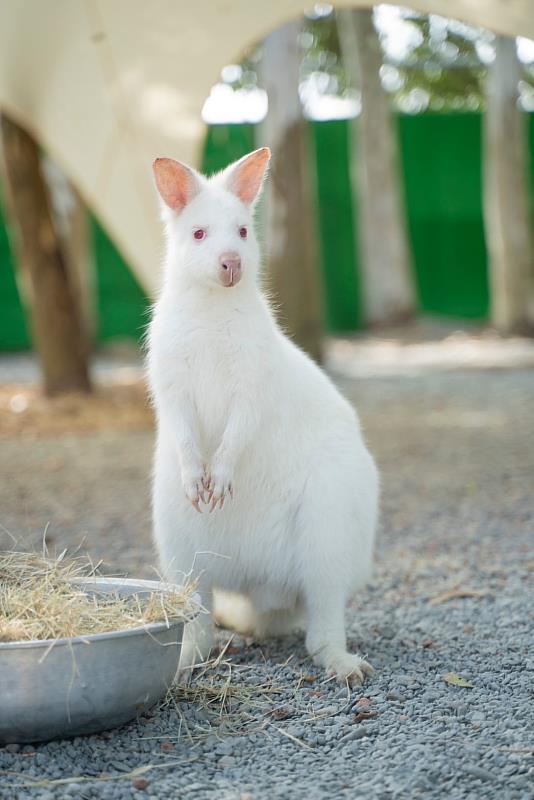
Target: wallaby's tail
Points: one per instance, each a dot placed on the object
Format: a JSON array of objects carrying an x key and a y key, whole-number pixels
[{"x": 235, "y": 612}]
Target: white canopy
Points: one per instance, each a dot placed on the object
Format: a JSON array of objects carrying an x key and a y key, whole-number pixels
[{"x": 108, "y": 85}]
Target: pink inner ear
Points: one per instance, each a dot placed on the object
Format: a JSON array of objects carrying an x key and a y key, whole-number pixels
[
  {"x": 248, "y": 175},
  {"x": 176, "y": 182}
]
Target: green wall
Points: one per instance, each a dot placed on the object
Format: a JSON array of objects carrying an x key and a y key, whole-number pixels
[
  {"x": 122, "y": 305},
  {"x": 337, "y": 247},
  {"x": 441, "y": 164},
  {"x": 13, "y": 331},
  {"x": 224, "y": 144},
  {"x": 442, "y": 174}
]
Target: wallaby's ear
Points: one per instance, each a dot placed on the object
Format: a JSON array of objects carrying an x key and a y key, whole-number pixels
[
  {"x": 176, "y": 182},
  {"x": 245, "y": 177}
]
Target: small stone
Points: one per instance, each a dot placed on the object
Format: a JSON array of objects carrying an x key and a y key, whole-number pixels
[
  {"x": 224, "y": 748},
  {"x": 12, "y": 748},
  {"x": 328, "y": 710},
  {"x": 140, "y": 783},
  {"x": 295, "y": 730},
  {"x": 167, "y": 747},
  {"x": 363, "y": 701},
  {"x": 398, "y": 698},
  {"x": 359, "y": 733},
  {"x": 282, "y": 712},
  {"x": 480, "y": 772},
  {"x": 406, "y": 680},
  {"x": 227, "y": 761},
  {"x": 460, "y": 708}
]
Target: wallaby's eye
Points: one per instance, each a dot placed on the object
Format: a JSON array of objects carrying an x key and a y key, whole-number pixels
[
  {"x": 199, "y": 234},
  {"x": 243, "y": 232}
]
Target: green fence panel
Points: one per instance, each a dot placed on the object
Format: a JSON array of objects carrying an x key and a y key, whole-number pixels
[
  {"x": 337, "y": 246},
  {"x": 530, "y": 137},
  {"x": 441, "y": 156},
  {"x": 14, "y": 334},
  {"x": 441, "y": 163},
  {"x": 224, "y": 144},
  {"x": 121, "y": 303}
]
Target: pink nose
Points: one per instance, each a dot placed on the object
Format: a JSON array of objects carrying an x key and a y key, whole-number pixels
[{"x": 229, "y": 269}]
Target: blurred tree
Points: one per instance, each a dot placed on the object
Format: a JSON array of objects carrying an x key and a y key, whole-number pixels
[
  {"x": 437, "y": 67},
  {"x": 507, "y": 212},
  {"x": 71, "y": 222},
  {"x": 429, "y": 62},
  {"x": 387, "y": 282},
  {"x": 54, "y": 315},
  {"x": 291, "y": 227},
  {"x": 425, "y": 63}
]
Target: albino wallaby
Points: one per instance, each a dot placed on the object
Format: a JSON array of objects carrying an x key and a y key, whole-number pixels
[{"x": 263, "y": 486}]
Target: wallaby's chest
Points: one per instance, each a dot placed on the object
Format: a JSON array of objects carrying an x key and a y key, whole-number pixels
[{"x": 221, "y": 365}]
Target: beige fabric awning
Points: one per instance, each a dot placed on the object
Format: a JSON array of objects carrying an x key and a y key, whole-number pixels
[{"x": 108, "y": 85}]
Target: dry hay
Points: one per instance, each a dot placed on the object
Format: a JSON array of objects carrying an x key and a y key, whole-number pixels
[{"x": 39, "y": 600}]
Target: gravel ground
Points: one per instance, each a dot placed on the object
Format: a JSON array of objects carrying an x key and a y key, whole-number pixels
[{"x": 456, "y": 451}]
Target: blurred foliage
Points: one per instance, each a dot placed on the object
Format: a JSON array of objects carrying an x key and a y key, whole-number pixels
[
  {"x": 430, "y": 62},
  {"x": 321, "y": 52},
  {"x": 442, "y": 70}
]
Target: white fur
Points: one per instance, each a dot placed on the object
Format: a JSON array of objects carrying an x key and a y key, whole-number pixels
[{"x": 236, "y": 399}]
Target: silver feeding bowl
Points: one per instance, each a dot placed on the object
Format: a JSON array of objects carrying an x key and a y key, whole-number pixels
[{"x": 67, "y": 687}]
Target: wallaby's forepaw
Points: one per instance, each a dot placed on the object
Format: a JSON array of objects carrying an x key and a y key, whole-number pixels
[
  {"x": 350, "y": 668},
  {"x": 219, "y": 486},
  {"x": 194, "y": 483}
]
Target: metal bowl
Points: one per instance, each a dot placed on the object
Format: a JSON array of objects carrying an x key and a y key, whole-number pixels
[{"x": 67, "y": 687}]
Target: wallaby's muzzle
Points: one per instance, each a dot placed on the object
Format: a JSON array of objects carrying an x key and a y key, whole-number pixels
[{"x": 229, "y": 269}]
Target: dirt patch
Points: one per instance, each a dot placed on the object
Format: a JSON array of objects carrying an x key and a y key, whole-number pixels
[{"x": 24, "y": 411}]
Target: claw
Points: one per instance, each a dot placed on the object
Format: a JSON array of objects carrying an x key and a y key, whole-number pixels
[{"x": 194, "y": 503}]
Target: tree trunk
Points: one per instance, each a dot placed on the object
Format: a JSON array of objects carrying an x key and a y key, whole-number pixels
[
  {"x": 379, "y": 215},
  {"x": 55, "y": 321},
  {"x": 290, "y": 224},
  {"x": 70, "y": 220},
  {"x": 507, "y": 215}
]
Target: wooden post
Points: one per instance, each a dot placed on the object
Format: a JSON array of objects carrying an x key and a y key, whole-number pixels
[
  {"x": 70, "y": 220},
  {"x": 507, "y": 216},
  {"x": 54, "y": 317},
  {"x": 387, "y": 284},
  {"x": 291, "y": 229}
]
